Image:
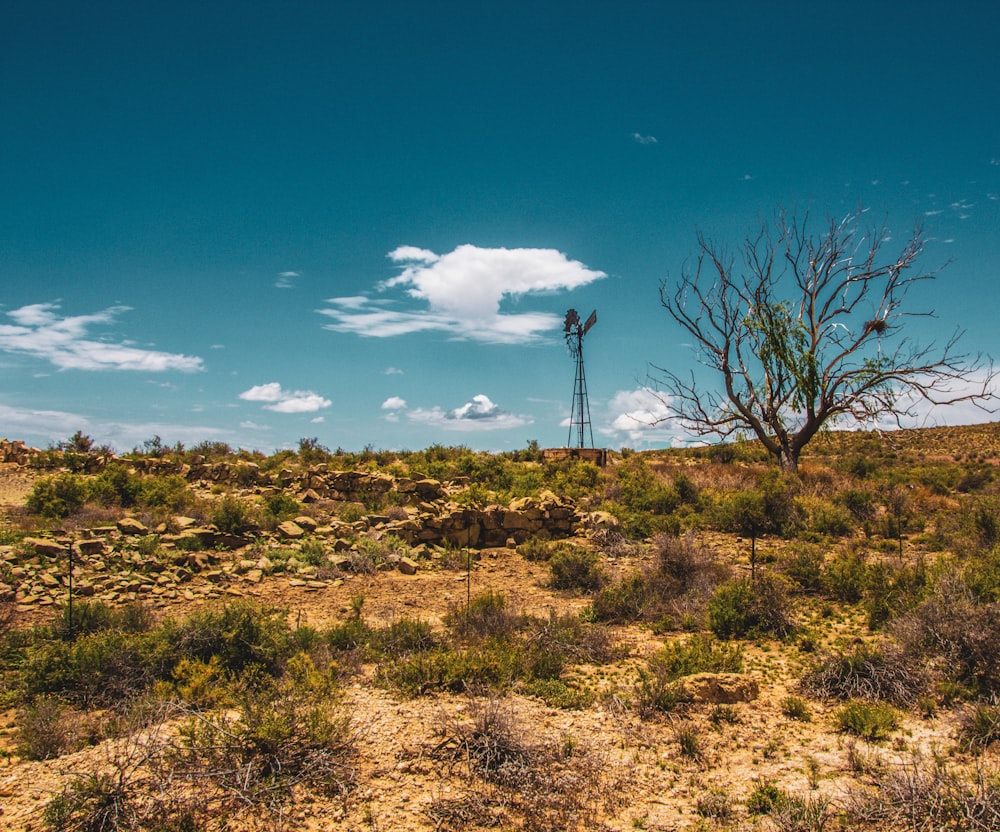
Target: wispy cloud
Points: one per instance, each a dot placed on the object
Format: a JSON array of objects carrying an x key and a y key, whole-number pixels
[
  {"x": 393, "y": 371},
  {"x": 478, "y": 414},
  {"x": 63, "y": 340},
  {"x": 279, "y": 400},
  {"x": 286, "y": 280},
  {"x": 56, "y": 425},
  {"x": 462, "y": 292},
  {"x": 641, "y": 139}
]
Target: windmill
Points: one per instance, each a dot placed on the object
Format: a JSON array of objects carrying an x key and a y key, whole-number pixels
[{"x": 579, "y": 420}]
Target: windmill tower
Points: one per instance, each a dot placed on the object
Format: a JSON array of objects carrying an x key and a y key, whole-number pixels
[{"x": 579, "y": 420}]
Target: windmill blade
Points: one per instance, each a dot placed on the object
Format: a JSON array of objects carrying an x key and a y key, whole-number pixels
[
  {"x": 590, "y": 322},
  {"x": 572, "y": 319}
]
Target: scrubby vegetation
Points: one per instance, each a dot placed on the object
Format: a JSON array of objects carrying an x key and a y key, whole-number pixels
[{"x": 256, "y": 633}]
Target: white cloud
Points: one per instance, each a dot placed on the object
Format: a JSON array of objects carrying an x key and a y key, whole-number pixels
[
  {"x": 393, "y": 371},
  {"x": 642, "y": 416},
  {"x": 285, "y": 401},
  {"x": 463, "y": 292},
  {"x": 248, "y": 425},
  {"x": 479, "y": 414},
  {"x": 641, "y": 139},
  {"x": 286, "y": 280},
  {"x": 38, "y": 331},
  {"x": 317, "y": 420},
  {"x": 394, "y": 403}
]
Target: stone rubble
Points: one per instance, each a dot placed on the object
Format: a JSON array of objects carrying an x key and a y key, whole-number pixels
[{"x": 193, "y": 560}]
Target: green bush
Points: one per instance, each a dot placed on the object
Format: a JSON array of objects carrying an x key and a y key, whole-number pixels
[
  {"x": 232, "y": 516},
  {"x": 576, "y": 568},
  {"x": 628, "y": 600},
  {"x": 57, "y": 497},
  {"x": 891, "y": 589},
  {"x": 770, "y": 508},
  {"x": 279, "y": 507},
  {"x": 353, "y": 634},
  {"x": 116, "y": 486},
  {"x": 493, "y": 666},
  {"x": 829, "y": 518},
  {"x": 802, "y": 563},
  {"x": 166, "y": 491},
  {"x": 860, "y": 503},
  {"x": 536, "y": 549},
  {"x": 656, "y": 694},
  {"x": 796, "y": 708},
  {"x": 744, "y": 608},
  {"x": 871, "y": 721},
  {"x": 845, "y": 576},
  {"x": 95, "y": 616},
  {"x": 699, "y": 654},
  {"x": 274, "y": 737},
  {"x": 102, "y": 669},
  {"x": 405, "y": 636},
  {"x": 240, "y": 634},
  {"x": 559, "y": 694},
  {"x": 485, "y": 617},
  {"x": 765, "y": 798}
]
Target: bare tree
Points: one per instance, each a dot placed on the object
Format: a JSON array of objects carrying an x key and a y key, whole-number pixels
[{"x": 806, "y": 329}]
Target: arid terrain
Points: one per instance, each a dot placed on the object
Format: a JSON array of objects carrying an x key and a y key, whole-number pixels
[{"x": 613, "y": 659}]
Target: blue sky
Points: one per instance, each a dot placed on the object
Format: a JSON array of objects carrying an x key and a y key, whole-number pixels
[{"x": 256, "y": 222}]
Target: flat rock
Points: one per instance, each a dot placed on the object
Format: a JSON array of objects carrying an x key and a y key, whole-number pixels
[
  {"x": 129, "y": 525},
  {"x": 720, "y": 688},
  {"x": 90, "y": 547},
  {"x": 44, "y": 546},
  {"x": 305, "y": 522},
  {"x": 290, "y": 530}
]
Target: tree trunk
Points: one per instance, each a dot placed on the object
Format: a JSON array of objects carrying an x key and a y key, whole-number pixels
[{"x": 788, "y": 461}]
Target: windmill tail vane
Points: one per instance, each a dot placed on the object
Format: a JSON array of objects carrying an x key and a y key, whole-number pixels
[{"x": 579, "y": 422}]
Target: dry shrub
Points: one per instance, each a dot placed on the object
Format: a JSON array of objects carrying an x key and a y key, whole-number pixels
[
  {"x": 874, "y": 674},
  {"x": 963, "y": 633},
  {"x": 674, "y": 592},
  {"x": 923, "y": 795},
  {"x": 979, "y": 728},
  {"x": 276, "y": 737},
  {"x": 48, "y": 728},
  {"x": 690, "y": 565},
  {"x": 127, "y": 788},
  {"x": 612, "y": 543},
  {"x": 516, "y": 782},
  {"x": 747, "y": 608},
  {"x": 486, "y": 616}
]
